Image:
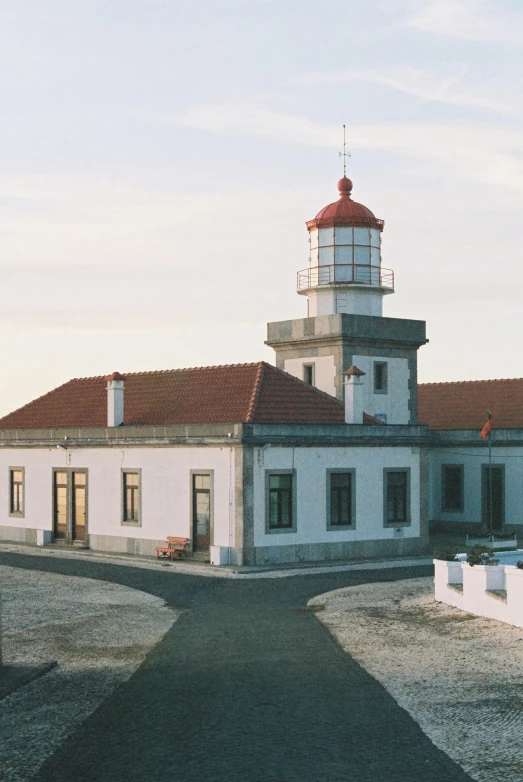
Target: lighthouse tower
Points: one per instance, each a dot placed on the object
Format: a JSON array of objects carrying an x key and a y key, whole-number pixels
[
  {"x": 345, "y": 273},
  {"x": 344, "y": 284}
]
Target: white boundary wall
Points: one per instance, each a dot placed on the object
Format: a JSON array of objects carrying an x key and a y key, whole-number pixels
[{"x": 470, "y": 589}]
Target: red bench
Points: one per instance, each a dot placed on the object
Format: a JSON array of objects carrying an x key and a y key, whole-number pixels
[{"x": 176, "y": 548}]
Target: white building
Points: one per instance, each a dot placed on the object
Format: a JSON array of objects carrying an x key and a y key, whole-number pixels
[{"x": 320, "y": 457}]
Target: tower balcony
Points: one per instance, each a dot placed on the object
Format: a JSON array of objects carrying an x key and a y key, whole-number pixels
[{"x": 344, "y": 274}]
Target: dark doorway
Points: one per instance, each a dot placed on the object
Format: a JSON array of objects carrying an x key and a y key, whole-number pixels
[
  {"x": 201, "y": 511},
  {"x": 493, "y": 496},
  {"x": 70, "y": 506}
]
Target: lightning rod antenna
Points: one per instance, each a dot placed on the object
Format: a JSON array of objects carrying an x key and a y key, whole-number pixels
[{"x": 344, "y": 154}]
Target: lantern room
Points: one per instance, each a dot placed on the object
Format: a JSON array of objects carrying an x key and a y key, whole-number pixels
[{"x": 345, "y": 272}]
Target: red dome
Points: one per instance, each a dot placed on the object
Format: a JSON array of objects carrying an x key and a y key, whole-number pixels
[{"x": 345, "y": 211}]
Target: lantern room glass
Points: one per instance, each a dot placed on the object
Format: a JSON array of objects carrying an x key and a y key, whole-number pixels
[{"x": 346, "y": 246}]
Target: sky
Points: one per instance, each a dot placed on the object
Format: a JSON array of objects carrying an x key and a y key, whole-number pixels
[{"x": 160, "y": 158}]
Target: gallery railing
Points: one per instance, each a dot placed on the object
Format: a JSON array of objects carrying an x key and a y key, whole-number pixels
[{"x": 346, "y": 273}]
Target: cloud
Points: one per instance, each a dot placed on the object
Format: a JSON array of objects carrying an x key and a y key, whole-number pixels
[
  {"x": 473, "y": 151},
  {"x": 472, "y": 20},
  {"x": 243, "y": 119},
  {"x": 430, "y": 88}
]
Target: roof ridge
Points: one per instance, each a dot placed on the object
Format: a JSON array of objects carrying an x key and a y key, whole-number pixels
[
  {"x": 169, "y": 371},
  {"x": 256, "y": 391},
  {"x": 38, "y": 398},
  {"x": 463, "y": 382}
]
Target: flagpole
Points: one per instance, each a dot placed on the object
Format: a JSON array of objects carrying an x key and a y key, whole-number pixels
[{"x": 490, "y": 483}]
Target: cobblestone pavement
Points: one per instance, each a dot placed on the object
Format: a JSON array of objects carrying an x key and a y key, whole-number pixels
[
  {"x": 460, "y": 676},
  {"x": 247, "y": 686}
]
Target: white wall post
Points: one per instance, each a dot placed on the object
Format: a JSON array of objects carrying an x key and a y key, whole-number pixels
[
  {"x": 353, "y": 385},
  {"x": 115, "y": 389}
]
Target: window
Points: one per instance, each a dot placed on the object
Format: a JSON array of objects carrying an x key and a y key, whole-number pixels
[
  {"x": 452, "y": 487},
  {"x": 396, "y": 497},
  {"x": 16, "y": 491},
  {"x": 308, "y": 374},
  {"x": 131, "y": 497},
  {"x": 340, "y": 499},
  {"x": 380, "y": 377},
  {"x": 280, "y": 501}
]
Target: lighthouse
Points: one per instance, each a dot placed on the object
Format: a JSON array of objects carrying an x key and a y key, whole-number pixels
[
  {"x": 345, "y": 284},
  {"x": 345, "y": 274}
]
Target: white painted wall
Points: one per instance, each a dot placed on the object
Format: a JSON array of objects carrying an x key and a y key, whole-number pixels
[
  {"x": 324, "y": 371},
  {"x": 311, "y": 465},
  {"x": 355, "y": 301},
  {"x": 395, "y": 403},
  {"x": 475, "y": 597},
  {"x": 165, "y": 488},
  {"x": 472, "y": 459},
  {"x": 321, "y": 302}
]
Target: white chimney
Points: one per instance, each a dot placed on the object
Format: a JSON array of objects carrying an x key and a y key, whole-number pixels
[
  {"x": 354, "y": 390},
  {"x": 115, "y": 386}
]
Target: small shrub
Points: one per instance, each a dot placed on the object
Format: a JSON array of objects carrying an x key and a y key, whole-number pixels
[
  {"x": 519, "y": 564},
  {"x": 446, "y": 555},
  {"x": 479, "y": 555}
]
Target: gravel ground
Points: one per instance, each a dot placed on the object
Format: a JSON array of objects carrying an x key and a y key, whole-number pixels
[
  {"x": 99, "y": 633},
  {"x": 459, "y": 676}
]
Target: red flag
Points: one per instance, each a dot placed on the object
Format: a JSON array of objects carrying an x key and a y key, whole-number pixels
[{"x": 488, "y": 426}]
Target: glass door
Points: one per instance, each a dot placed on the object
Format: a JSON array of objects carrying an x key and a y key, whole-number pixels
[
  {"x": 79, "y": 506},
  {"x": 201, "y": 512},
  {"x": 70, "y": 506},
  {"x": 61, "y": 501}
]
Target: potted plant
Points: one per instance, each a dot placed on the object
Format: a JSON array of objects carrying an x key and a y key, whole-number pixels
[{"x": 479, "y": 555}]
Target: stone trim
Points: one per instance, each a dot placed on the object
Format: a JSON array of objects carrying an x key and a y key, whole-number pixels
[
  {"x": 322, "y": 552},
  {"x": 27, "y": 535},
  {"x": 119, "y": 544},
  {"x": 245, "y": 506},
  {"x": 424, "y": 492}
]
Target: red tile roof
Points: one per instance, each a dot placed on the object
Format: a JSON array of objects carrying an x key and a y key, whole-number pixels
[
  {"x": 236, "y": 393},
  {"x": 464, "y": 405}
]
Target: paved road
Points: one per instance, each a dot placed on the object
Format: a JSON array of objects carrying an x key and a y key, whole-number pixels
[{"x": 245, "y": 687}]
